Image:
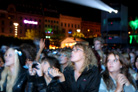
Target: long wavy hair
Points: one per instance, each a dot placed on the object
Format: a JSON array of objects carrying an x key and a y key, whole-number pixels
[
  {"x": 90, "y": 58},
  {"x": 7, "y": 75},
  {"x": 124, "y": 70}
]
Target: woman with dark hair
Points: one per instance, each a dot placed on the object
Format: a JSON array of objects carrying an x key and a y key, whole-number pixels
[
  {"x": 116, "y": 77},
  {"x": 136, "y": 68},
  {"x": 45, "y": 77},
  {"x": 13, "y": 77},
  {"x": 30, "y": 52}
]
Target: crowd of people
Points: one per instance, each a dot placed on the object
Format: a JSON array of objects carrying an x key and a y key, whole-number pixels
[{"x": 82, "y": 68}]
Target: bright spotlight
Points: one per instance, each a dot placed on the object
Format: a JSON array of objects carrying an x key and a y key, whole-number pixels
[
  {"x": 110, "y": 11},
  {"x": 98, "y": 4},
  {"x": 116, "y": 11}
]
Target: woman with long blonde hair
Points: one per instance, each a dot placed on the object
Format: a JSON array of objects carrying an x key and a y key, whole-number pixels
[{"x": 13, "y": 77}]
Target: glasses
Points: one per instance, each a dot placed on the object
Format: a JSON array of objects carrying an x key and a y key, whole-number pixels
[
  {"x": 77, "y": 49},
  {"x": 63, "y": 55}
]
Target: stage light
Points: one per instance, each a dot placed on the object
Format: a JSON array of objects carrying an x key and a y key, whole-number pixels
[{"x": 98, "y": 4}]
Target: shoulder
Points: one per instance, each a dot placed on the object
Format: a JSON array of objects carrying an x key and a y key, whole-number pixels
[{"x": 102, "y": 87}]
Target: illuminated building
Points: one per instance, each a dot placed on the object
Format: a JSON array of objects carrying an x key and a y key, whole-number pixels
[
  {"x": 69, "y": 24},
  {"x": 114, "y": 26},
  {"x": 25, "y": 19},
  {"x": 91, "y": 29}
]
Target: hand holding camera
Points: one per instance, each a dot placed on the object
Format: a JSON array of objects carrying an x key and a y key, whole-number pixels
[
  {"x": 35, "y": 68},
  {"x": 54, "y": 72}
]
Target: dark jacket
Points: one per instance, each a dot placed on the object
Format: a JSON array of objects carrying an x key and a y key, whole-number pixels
[
  {"x": 38, "y": 84},
  {"x": 20, "y": 85},
  {"x": 98, "y": 59},
  {"x": 88, "y": 81}
]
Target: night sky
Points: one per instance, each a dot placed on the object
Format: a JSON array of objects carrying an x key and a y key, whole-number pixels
[{"x": 86, "y": 13}]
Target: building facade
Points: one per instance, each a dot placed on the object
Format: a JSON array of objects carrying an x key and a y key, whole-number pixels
[
  {"x": 114, "y": 26},
  {"x": 91, "y": 29},
  {"x": 69, "y": 24}
]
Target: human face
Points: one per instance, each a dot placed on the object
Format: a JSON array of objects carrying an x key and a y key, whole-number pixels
[
  {"x": 136, "y": 63},
  {"x": 77, "y": 54},
  {"x": 132, "y": 58},
  {"x": 97, "y": 45},
  {"x": 9, "y": 57},
  {"x": 45, "y": 65},
  {"x": 113, "y": 64},
  {"x": 63, "y": 59}
]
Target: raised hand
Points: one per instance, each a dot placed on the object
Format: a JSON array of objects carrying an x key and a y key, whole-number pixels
[
  {"x": 121, "y": 81},
  {"x": 54, "y": 72},
  {"x": 32, "y": 72}
]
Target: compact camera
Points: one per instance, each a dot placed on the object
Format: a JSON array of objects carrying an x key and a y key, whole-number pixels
[{"x": 35, "y": 66}]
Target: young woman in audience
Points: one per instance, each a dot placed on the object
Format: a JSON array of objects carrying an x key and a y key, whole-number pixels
[
  {"x": 83, "y": 75},
  {"x": 45, "y": 77},
  {"x": 14, "y": 76},
  {"x": 116, "y": 77},
  {"x": 64, "y": 58},
  {"x": 136, "y": 69}
]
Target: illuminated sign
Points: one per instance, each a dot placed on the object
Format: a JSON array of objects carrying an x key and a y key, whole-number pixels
[
  {"x": 133, "y": 38},
  {"x": 30, "y": 22}
]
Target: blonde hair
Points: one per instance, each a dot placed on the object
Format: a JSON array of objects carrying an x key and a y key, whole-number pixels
[
  {"x": 11, "y": 77},
  {"x": 90, "y": 59}
]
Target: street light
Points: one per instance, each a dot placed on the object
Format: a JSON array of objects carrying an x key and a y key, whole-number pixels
[
  {"x": 16, "y": 29},
  {"x": 78, "y": 30}
]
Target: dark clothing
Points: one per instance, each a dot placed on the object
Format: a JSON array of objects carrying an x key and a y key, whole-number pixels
[
  {"x": 137, "y": 83},
  {"x": 88, "y": 81},
  {"x": 38, "y": 84},
  {"x": 1, "y": 69},
  {"x": 20, "y": 85},
  {"x": 98, "y": 59}
]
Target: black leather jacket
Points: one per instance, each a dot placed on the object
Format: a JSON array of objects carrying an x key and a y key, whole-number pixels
[
  {"x": 88, "y": 81},
  {"x": 38, "y": 84},
  {"x": 21, "y": 83}
]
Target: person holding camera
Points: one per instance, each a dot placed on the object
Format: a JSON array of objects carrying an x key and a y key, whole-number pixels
[
  {"x": 46, "y": 76},
  {"x": 116, "y": 77}
]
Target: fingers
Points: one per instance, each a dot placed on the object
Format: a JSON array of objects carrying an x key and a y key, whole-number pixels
[
  {"x": 37, "y": 69},
  {"x": 42, "y": 43},
  {"x": 54, "y": 72},
  {"x": 31, "y": 70},
  {"x": 122, "y": 79}
]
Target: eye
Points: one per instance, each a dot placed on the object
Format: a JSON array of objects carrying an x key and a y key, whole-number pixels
[
  {"x": 108, "y": 60},
  {"x": 10, "y": 55},
  {"x": 115, "y": 60}
]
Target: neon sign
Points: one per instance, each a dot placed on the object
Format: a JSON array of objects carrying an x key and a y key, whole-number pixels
[
  {"x": 132, "y": 38},
  {"x": 30, "y": 22}
]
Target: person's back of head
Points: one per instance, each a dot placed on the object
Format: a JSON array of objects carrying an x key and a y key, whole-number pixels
[{"x": 29, "y": 50}]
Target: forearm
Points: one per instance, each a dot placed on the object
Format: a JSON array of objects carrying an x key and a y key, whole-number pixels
[{"x": 38, "y": 54}]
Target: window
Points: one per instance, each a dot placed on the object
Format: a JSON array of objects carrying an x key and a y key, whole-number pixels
[
  {"x": 2, "y": 22},
  {"x": 11, "y": 23},
  {"x": 70, "y": 31},
  {"x": 2, "y": 30},
  {"x": 61, "y": 24},
  {"x": 11, "y": 30},
  {"x": 72, "y": 25},
  {"x": 68, "y": 25},
  {"x": 75, "y": 25},
  {"x": 65, "y": 24}
]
